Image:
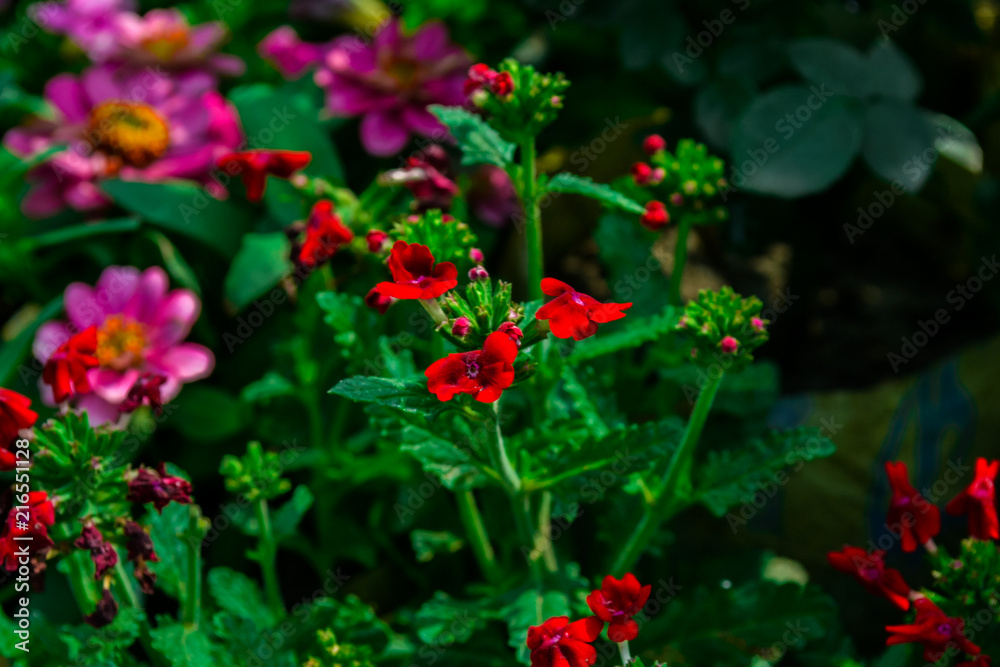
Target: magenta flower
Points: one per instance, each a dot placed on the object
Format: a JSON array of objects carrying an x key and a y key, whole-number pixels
[
  {"x": 121, "y": 122},
  {"x": 141, "y": 329},
  {"x": 389, "y": 81},
  {"x": 109, "y": 31}
]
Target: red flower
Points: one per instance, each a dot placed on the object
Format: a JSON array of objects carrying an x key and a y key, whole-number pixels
[
  {"x": 482, "y": 373},
  {"x": 102, "y": 553},
  {"x": 642, "y": 173},
  {"x": 559, "y": 643},
  {"x": 910, "y": 515},
  {"x": 66, "y": 370},
  {"x": 145, "y": 390},
  {"x": 513, "y": 331},
  {"x": 254, "y": 166},
  {"x": 729, "y": 344},
  {"x": 617, "y": 602},
  {"x": 934, "y": 630},
  {"x": 325, "y": 233},
  {"x": 155, "y": 486},
  {"x": 655, "y": 217},
  {"x": 15, "y": 415},
  {"x": 416, "y": 275},
  {"x": 375, "y": 238},
  {"x": 980, "y": 502},
  {"x": 41, "y": 515},
  {"x": 871, "y": 572},
  {"x": 654, "y": 143},
  {"x": 105, "y": 611},
  {"x": 425, "y": 177},
  {"x": 378, "y": 301},
  {"x": 575, "y": 315},
  {"x": 502, "y": 84}
]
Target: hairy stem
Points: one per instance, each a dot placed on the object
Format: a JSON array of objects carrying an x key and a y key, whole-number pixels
[
  {"x": 192, "y": 591},
  {"x": 680, "y": 258},
  {"x": 475, "y": 532},
  {"x": 267, "y": 553},
  {"x": 533, "y": 219}
]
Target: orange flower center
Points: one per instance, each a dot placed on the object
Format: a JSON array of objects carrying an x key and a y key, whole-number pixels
[
  {"x": 120, "y": 343},
  {"x": 131, "y": 131},
  {"x": 167, "y": 43}
]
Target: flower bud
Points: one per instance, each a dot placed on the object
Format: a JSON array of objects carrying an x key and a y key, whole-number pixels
[
  {"x": 476, "y": 255},
  {"x": 376, "y": 239},
  {"x": 460, "y": 327},
  {"x": 729, "y": 345},
  {"x": 478, "y": 273},
  {"x": 654, "y": 143}
]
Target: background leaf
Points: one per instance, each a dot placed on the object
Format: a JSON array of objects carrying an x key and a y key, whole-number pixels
[{"x": 479, "y": 142}]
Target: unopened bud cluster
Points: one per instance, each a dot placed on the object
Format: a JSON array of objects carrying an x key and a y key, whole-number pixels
[{"x": 724, "y": 327}]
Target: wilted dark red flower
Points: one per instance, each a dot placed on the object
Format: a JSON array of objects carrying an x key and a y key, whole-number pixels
[
  {"x": 655, "y": 217},
  {"x": 871, "y": 572},
  {"x": 559, "y": 643},
  {"x": 482, "y": 373},
  {"x": 512, "y": 330},
  {"x": 415, "y": 274},
  {"x": 910, "y": 515},
  {"x": 654, "y": 143},
  {"x": 934, "y": 630},
  {"x": 105, "y": 611},
  {"x": 145, "y": 390},
  {"x": 15, "y": 415},
  {"x": 426, "y": 177},
  {"x": 41, "y": 515},
  {"x": 617, "y": 602},
  {"x": 253, "y": 167},
  {"x": 378, "y": 301},
  {"x": 375, "y": 238},
  {"x": 325, "y": 233},
  {"x": 102, "y": 553},
  {"x": 146, "y": 485},
  {"x": 979, "y": 501},
  {"x": 575, "y": 315},
  {"x": 140, "y": 552},
  {"x": 66, "y": 370}
]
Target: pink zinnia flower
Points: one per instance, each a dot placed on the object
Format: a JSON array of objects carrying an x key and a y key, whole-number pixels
[
  {"x": 141, "y": 329},
  {"x": 90, "y": 24},
  {"x": 389, "y": 81},
  {"x": 127, "y": 123}
]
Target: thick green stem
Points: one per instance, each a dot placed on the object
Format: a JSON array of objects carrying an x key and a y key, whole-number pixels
[
  {"x": 533, "y": 219},
  {"x": 192, "y": 594},
  {"x": 545, "y": 533},
  {"x": 680, "y": 258},
  {"x": 511, "y": 479},
  {"x": 662, "y": 508},
  {"x": 267, "y": 553},
  {"x": 475, "y": 532},
  {"x": 625, "y": 654},
  {"x": 127, "y": 592}
]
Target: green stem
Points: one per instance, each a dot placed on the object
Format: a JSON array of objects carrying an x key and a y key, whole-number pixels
[
  {"x": 657, "y": 512},
  {"x": 533, "y": 220},
  {"x": 475, "y": 531},
  {"x": 192, "y": 595},
  {"x": 545, "y": 532},
  {"x": 126, "y": 591},
  {"x": 680, "y": 257},
  {"x": 511, "y": 479},
  {"x": 267, "y": 553},
  {"x": 625, "y": 654}
]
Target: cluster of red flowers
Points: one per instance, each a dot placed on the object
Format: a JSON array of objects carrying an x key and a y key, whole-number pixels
[
  {"x": 15, "y": 416},
  {"x": 26, "y": 527},
  {"x": 559, "y": 643},
  {"x": 66, "y": 370},
  {"x": 482, "y": 75},
  {"x": 916, "y": 522},
  {"x": 655, "y": 217},
  {"x": 253, "y": 167}
]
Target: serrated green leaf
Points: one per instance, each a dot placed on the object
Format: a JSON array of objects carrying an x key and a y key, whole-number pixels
[
  {"x": 637, "y": 331},
  {"x": 182, "y": 646},
  {"x": 457, "y": 467},
  {"x": 238, "y": 594},
  {"x": 171, "y": 533},
  {"x": 443, "y": 614},
  {"x": 584, "y": 185},
  {"x": 479, "y": 142},
  {"x": 429, "y": 543},
  {"x": 734, "y": 476},
  {"x": 262, "y": 261},
  {"x": 406, "y": 395}
]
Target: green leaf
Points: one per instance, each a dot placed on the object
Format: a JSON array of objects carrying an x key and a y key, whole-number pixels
[
  {"x": 84, "y": 230},
  {"x": 272, "y": 385},
  {"x": 898, "y": 141},
  {"x": 531, "y": 608},
  {"x": 285, "y": 519},
  {"x": 169, "y": 532},
  {"x": 429, "y": 543},
  {"x": 262, "y": 261},
  {"x": 637, "y": 330},
  {"x": 634, "y": 272},
  {"x": 174, "y": 262},
  {"x": 443, "y": 615},
  {"x": 719, "y": 105},
  {"x": 832, "y": 63},
  {"x": 184, "y": 208},
  {"x": 892, "y": 72},
  {"x": 479, "y": 142},
  {"x": 182, "y": 646},
  {"x": 240, "y": 596},
  {"x": 406, "y": 395},
  {"x": 456, "y": 466},
  {"x": 783, "y": 147},
  {"x": 13, "y": 352},
  {"x": 733, "y": 477},
  {"x": 206, "y": 414},
  {"x": 956, "y": 142},
  {"x": 584, "y": 185}
]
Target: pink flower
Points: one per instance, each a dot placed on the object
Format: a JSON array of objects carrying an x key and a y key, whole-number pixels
[
  {"x": 178, "y": 130},
  {"x": 90, "y": 24},
  {"x": 141, "y": 329},
  {"x": 729, "y": 344},
  {"x": 389, "y": 81}
]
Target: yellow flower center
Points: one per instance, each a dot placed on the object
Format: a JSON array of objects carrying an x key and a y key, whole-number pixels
[
  {"x": 131, "y": 131},
  {"x": 167, "y": 43},
  {"x": 120, "y": 343}
]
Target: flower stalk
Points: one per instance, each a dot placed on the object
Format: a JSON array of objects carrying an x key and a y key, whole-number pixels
[
  {"x": 680, "y": 258},
  {"x": 533, "y": 221},
  {"x": 475, "y": 532},
  {"x": 267, "y": 555}
]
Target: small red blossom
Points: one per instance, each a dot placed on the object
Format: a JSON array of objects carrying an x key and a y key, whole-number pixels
[
  {"x": 376, "y": 238},
  {"x": 871, "y": 572},
  {"x": 729, "y": 344},
  {"x": 484, "y": 373},
  {"x": 102, "y": 553},
  {"x": 655, "y": 217},
  {"x": 757, "y": 323},
  {"x": 477, "y": 256},
  {"x": 378, "y": 301},
  {"x": 617, "y": 602},
  {"x": 652, "y": 144},
  {"x": 502, "y": 84},
  {"x": 105, "y": 611},
  {"x": 478, "y": 273},
  {"x": 325, "y": 233},
  {"x": 642, "y": 173},
  {"x": 575, "y": 315},
  {"x": 155, "y": 486},
  {"x": 460, "y": 327},
  {"x": 482, "y": 75},
  {"x": 255, "y": 166},
  {"x": 910, "y": 514},
  {"x": 66, "y": 370},
  {"x": 979, "y": 501},
  {"x": 934, "y": 630},
  {"x": 41, "y": 515},
  {"x": 415, "y": 274},
  {"x": 559, "y": 643},
  {"x": 145, "y": 390},
  {"x": 15, "y": 415},
  {"x": 512, "y": 330}
]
